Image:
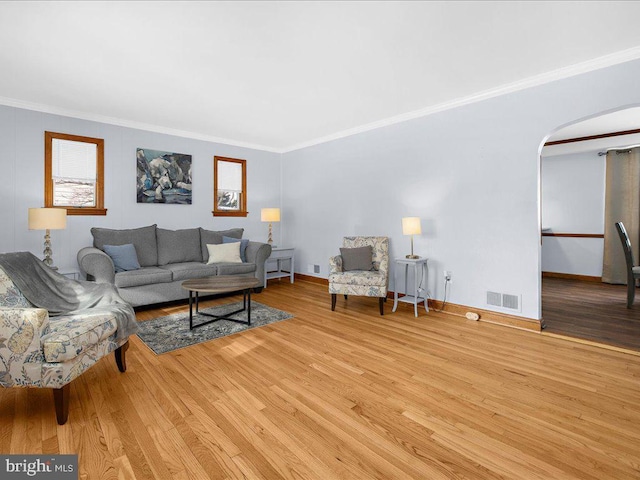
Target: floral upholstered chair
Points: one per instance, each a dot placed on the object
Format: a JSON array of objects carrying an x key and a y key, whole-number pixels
[
  {"x": 38, "y": 351},
  {"x": 356, "y": 272}
]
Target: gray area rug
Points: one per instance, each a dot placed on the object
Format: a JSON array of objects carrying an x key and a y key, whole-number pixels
[{"x": 165, "y": 334}]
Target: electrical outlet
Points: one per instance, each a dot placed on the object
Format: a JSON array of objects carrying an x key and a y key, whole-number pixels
[{"x": 447, "y": 276}]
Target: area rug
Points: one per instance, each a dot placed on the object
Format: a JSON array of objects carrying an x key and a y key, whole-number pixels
[{"x": 165, "y": 334}]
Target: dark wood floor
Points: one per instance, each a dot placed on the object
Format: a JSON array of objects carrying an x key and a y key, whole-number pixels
[{"x": 591, "y": 311}]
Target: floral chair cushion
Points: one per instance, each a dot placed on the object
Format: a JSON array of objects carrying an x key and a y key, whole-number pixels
[
  {"x": 359, "y": 277},
  {"x": 10, "y": 296},
  {"x": 70, "y": 335}
]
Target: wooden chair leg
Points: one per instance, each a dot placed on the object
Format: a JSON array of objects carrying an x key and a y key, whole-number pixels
[
  {"x": 61, "y": 401},
  {"x": 381, "y": 302},
  {"x": 121, "y": 360},
  {"x": 333, "y": 301}
]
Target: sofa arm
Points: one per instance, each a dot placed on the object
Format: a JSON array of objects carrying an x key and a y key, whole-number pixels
[
  {"x": 96, "y": 265},
  {"x": 258, "y": 253},
  {"x": 21, "y": 355},
  {"x": 335, "y": 264}
]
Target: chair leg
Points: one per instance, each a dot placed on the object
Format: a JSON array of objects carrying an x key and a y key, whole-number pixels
[
  {"x": 61, "y": 401},
  {"x": 381, "y": 302},
  {"x": 631, "y": 290},
  {"x": 121, "y": 360},
  {"x": 345, "y": 297},
  {"x": 333, "y": 301}
]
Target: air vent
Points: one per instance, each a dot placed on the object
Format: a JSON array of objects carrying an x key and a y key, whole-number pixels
[
  {"x": 504, "y": 301},
  {"x": 494, "y": 298}
]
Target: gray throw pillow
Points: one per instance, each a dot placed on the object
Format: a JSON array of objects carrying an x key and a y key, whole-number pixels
[
  {"x": 243, "y": 246},
  {"x": 144, "y": 239},
  {"x": 209, "y": 237},
  {"x": 124, "y": 257},
  {"x": 360, "y": 258},
  {"x": 176, "y": 246}
]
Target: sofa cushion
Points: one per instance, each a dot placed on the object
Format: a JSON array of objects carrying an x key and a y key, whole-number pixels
[
  {"x": 144, "y": 239},
  {"x": 176, "y": 246},
  {"x": 359, "y": 277},
  {"x": 208, "y": 237},
  {"x": 187, "y": 270},
  {"x": 143, "y": 276},
  {"x": 124, "y": 257},
  {"x": 236, "y": 268},
  {"x": 70, "y": 335}
]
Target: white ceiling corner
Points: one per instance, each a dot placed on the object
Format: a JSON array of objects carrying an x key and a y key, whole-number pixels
[{"x": 282, "y": 75}]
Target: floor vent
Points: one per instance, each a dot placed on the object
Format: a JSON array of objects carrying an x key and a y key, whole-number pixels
[{"x": 504, "y": 300}]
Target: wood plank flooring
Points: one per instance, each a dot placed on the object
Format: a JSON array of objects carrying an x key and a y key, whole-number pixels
[
  {"x": 592, "y": 311},
  {"x": 347, "y": 394}
]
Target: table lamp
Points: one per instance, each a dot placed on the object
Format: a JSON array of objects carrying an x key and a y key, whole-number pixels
[
  {"x": 47, "y": 219},
  {"x": 411, "y": 226},
  {"x": 270, "y": 215}
]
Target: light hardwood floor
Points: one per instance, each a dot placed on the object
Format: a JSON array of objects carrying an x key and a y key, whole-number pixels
[{"x": 346, "y": 394}]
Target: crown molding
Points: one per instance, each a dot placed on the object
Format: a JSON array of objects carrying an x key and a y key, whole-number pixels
[
  {"x": 537, "y": 80},
  {"x": 12, "y": 102}
]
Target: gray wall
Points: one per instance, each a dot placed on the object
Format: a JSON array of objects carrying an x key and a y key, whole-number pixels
[
  {"x": 471, "y": 174},
  {"x": 22, "y": 161}
]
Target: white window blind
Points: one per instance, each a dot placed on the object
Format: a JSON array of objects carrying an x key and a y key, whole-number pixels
[
  {"x": 75, "y": 160},
  {"x": 230, "y": 176}
]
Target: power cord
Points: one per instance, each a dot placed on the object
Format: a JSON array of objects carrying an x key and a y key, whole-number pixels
[{"x": 444, "y": 300}]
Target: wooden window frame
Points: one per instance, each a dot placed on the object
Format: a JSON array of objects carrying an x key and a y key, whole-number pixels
[
  {"x": 48, "y": 173},
  {"x": 243, "y": 197}
]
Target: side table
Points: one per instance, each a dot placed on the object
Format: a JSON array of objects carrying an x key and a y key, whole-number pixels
[
  {"x": 418, "y": 264},
  {"x": 279, "y": 255}
]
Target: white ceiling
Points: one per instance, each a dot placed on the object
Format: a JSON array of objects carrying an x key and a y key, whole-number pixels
[{"x": 280, "y": 75}]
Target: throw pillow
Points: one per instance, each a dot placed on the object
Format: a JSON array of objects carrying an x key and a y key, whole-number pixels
[
  {"x": 243, "y": 246},
  {"x": 124, "y": 257},
  {"x": 209, "y": 237},
  {"x": 224, "y": 253},
  {"x": 360, "y": 258}
]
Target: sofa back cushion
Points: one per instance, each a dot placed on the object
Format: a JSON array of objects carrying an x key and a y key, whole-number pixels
[
  {"x": 208, "y": 237},
  {"x": 176, "y": 246},
  {"x": 144, "y": 239}
]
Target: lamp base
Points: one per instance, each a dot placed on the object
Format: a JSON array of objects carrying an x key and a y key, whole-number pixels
[{"x": 413, "y": 257}]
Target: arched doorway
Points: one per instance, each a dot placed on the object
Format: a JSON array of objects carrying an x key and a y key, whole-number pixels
[{"x": 575, "y": 302}]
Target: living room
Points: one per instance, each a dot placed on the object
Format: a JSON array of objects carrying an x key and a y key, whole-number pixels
[{"x": 468, "y": 166}]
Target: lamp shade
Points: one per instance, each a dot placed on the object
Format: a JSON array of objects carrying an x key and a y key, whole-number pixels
[
  {"x": 270, "y": 214},
  {"x": 411, "y": 226},
  {"x": 47, "y": 218}
]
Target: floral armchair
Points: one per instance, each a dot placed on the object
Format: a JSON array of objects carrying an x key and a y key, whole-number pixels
[
  {"x": 368, "y": 283},
  {"x": 38, "y": 351}
]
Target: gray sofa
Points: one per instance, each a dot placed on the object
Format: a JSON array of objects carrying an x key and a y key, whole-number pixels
[{"x": 167, "y": 258}]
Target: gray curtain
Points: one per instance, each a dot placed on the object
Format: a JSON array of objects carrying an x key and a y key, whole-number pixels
[{"x": 622, "y": 204}]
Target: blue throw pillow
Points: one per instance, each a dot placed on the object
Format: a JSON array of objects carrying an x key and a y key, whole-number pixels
[
  {"x": 243, "y": 246},
  {"x": 124, "y": 256}
]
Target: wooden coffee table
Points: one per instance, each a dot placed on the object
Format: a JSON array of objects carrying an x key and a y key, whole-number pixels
[{"x": 221, "y": 284}]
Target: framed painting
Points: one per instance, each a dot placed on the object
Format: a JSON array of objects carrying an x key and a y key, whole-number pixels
[{"x": 163, "y": 177}]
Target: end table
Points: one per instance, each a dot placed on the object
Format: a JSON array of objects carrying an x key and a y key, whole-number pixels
[{"x": 418, "y": 264}]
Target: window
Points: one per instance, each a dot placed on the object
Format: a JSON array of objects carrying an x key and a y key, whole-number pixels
[
  {"x": 230, "y": 187},
  {"x": 73, "y": 171}
]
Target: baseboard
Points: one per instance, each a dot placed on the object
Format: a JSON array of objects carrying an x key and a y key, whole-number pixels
[
  {"x": 571, "y": 276},
  {"x": 460, "y": 310}
]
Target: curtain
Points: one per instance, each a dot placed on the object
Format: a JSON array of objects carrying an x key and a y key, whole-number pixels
[{"x": 622, "y": 204}]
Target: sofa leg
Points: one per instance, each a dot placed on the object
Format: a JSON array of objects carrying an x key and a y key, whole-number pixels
[
  {"x": 61, "y": 401},
  {"x": 121, "y": 360},
  {"x": 381, "y": 302},
  {"x": 333, "y": 302},
  {"x": 258, "y": 290}
]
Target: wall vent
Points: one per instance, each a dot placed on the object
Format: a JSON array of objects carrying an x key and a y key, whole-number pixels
[
  {"x": 494, "y": 298},
  {"x": 505, "y": 301}
]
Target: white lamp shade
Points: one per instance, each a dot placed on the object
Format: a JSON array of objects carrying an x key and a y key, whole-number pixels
[
  {"x": 270, "y": 214},
  {"x": 411, "y": 226},
  {"x": 47, "y": 218}
]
